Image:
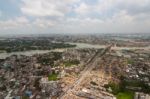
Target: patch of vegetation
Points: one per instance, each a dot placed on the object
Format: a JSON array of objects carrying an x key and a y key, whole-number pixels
[
  {"x": 114, "y": 87},
  {"x": 71, "y": 62},
  {"x": 119, "y": 91},
  {"x": 125, "y": 95},
  {"x": 49, "y": 59},
  {"x": 126, "y": 88},
  {"x": 130, "y": 61},
  {"x": 137, "y": 84},
  {"x": 28, "y": 44},
  {"x": 53, "y": 77},
  {"x": 25, "y": 97}
]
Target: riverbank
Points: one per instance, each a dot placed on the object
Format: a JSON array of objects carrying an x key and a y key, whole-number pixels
[{"x": 78, "y": 46}]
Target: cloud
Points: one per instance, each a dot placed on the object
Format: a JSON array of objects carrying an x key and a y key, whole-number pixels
[
  {"x": 14, "y": 23},
  {"x": 23, "y": 22},
  {"x": 108, "y": 8},
  {"x": 43, "y": 23},
  {"x": 81, "y": 16},
  {"x": 124, "y": 4},
  {"x": 42, "y": 8},
  {"x": 83, "y": 8},
  {"x": 0, "y": 13}
]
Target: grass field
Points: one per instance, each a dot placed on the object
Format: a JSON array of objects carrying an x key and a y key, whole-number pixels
[
  {"x": 52, "y": 77},
  {"x": 125, "y": 95}
]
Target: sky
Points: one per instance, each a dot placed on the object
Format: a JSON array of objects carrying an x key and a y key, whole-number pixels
[{"x": 74, "y": 16}]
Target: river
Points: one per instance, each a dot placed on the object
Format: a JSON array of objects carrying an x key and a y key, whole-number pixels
[{"x": 78, "y": 46}]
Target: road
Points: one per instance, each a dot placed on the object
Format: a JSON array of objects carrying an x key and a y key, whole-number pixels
[{"x": 89, "y": 66}]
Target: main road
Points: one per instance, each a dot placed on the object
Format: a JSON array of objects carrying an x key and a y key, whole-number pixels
[{"x": 89, "y": 66}]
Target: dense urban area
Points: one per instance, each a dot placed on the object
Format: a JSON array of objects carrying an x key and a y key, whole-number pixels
[{"x": 106, "y": 66}]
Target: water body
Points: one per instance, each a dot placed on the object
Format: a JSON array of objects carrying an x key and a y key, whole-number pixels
[
  {"x": 86, "y": 45},
  {"x": 78, "y": 46},
  {"x": 28, "y": 53}
]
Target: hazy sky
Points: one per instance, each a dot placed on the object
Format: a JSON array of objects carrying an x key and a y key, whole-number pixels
[{"x": 74, "y": 16}]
